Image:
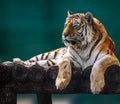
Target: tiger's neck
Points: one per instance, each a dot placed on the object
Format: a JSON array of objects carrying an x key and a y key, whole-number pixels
[
  {"x": 82, "y": 51},
  {"x": 82, "y": 56}
]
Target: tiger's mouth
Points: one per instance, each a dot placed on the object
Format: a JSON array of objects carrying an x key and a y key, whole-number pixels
[
  {"x": 73, "y": 42},
  {"x": 70, "y": 41}
]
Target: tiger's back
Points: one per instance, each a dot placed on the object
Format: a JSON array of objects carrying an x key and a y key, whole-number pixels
[{"x": 45, "y": 60}]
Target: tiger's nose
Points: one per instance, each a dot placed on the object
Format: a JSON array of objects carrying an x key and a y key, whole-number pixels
[{"x": 65, "y": 34}]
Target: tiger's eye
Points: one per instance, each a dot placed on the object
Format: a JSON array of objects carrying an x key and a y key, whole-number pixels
[{"x": 76, "y": 23}]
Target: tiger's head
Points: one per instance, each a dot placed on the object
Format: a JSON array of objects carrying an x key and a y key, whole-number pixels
[{"x": 81, "y": 29}]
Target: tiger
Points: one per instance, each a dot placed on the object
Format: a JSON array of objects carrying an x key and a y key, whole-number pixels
[{"x": 86, "y": 44}]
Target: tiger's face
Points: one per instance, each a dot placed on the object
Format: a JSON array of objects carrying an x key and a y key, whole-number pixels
[{"x": 76, "y": 29}]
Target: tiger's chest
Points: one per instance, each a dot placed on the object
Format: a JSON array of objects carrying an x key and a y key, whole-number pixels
[{"x": 83, "y": 58}]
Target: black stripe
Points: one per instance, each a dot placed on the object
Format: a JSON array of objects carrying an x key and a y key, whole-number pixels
[
  {"x": 55, "y": 54},
  {"x": 74, "y": 59},
  {"x": 48, "y": 63},
  {"x": 95, "y": 44},
  {"x": 52, "y": 62},
  {"x": 65, "y": 66},
  {"x": 30, "y": 61},
  {"x": 37, "y": 58},
  {"x": 109, "y": 52},
  {"x": 42, "y": 56},
  {"x": 79, "y": 33},
  {"x": 102, "y": 56},
  {"x": 76, "y": 52},
  {"x": 46, "y": 57},
  {"x": 97, "y": 55},
  {"x": 85, "y": 30}
]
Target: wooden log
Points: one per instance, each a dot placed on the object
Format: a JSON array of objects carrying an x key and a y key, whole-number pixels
[
  {"x": 7, "y": 95},
  {"x": 36, "y": 79},
  {"x": 16, "y": 78}
]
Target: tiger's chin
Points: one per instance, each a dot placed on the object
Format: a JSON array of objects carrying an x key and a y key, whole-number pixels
[{"x": 76, "y": 44}]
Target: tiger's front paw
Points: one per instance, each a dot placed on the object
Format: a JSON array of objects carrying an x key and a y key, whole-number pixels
[
  {"x": 97, "y": 83},
  {"x": 61, "y": 83},
  {"x": 64, "y": 75}
]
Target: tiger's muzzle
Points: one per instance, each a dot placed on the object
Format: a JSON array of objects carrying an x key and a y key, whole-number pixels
[{"x": 69, "y": 40}]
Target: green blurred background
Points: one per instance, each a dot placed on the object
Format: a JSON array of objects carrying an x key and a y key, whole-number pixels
[{"x": 30, "y": 27}]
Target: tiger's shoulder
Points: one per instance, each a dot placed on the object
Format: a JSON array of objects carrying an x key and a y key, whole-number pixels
[{"x": 106, "y": 42}]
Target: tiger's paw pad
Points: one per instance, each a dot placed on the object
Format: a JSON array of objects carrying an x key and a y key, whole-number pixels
[{"x": 61, "y": 83}]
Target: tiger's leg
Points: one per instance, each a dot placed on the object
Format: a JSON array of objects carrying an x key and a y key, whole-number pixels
[
  {"x": 98, "y": 71},
  {"x": 64, "y": 73}
]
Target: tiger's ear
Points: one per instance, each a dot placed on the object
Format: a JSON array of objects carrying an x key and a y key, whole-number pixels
[
  {"x": 89, "y": 17},
  {"x": 69, "y": 13}
]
